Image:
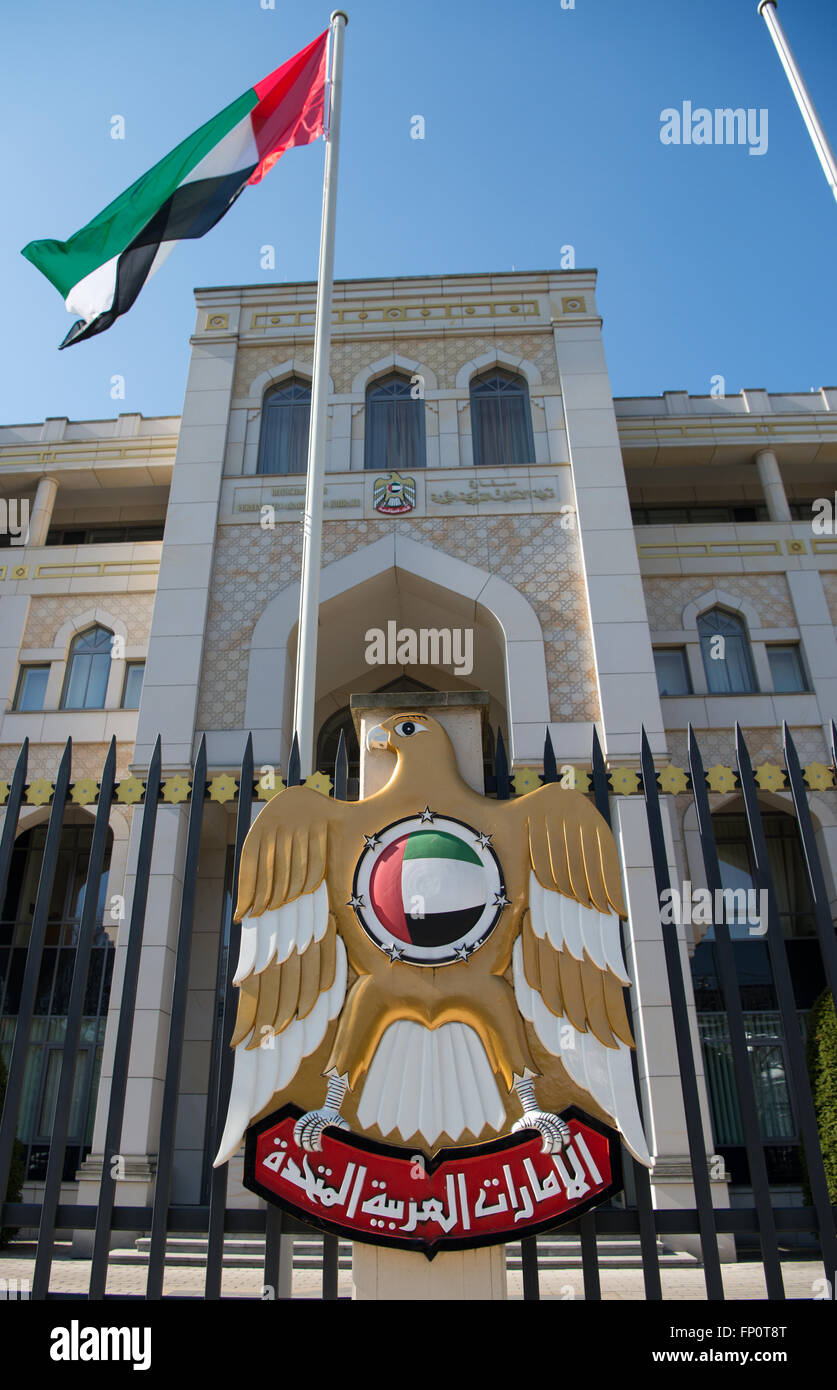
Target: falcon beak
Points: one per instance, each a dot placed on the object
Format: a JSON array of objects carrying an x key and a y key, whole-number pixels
[{"x": 377, "y": 738}]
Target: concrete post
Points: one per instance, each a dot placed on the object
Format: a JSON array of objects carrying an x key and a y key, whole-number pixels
[
  {"x": 772, "y": 485},
  {"x": 42, "y": 509}
]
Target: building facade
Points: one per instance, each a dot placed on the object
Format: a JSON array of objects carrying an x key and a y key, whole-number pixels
[{"x": 495, "y": 522}]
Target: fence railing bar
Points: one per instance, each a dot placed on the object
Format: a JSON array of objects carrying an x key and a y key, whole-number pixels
[
  {"x": 7, "y": 839},
  {"x": 590, "y": 1257},
  {"x": 341, "y": 770},
  {"x": 728, "y": 977},
  {"x": 501, "y": 766},
  {"x": 529, "y": 1266},
  {"x": 273, "y": 1252},
  {"x": 641, "y": 1177},
  {"x": 294, "y": 778},
  {"x": 29, "y": 988},
  {"x": 816, "y": 878},
  {"x": 682, "y": 1036},
  {"x": 61, "y": 1122},
  {"x": 787, "y": 1007},
  {"x": 177, "y": 1023},
  {"x": 331, "y": 1270},
  {"x": 218, "y": 1181},
  {"x": 550, "y": 767},
  {"x": 124, "y": 1030}
]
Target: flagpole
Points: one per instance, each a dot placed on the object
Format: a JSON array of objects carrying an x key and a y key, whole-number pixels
[
  {"x": 820, "y": 141},
  {"x": 312, "y": 525}
]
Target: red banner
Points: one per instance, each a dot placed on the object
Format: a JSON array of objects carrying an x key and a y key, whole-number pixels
[{"x": 484, "y": 1195}]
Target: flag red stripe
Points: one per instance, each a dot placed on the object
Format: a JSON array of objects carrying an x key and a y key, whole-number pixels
[
  {"x": 291, "y": 106},
  {"x": 385, "y": 889}
]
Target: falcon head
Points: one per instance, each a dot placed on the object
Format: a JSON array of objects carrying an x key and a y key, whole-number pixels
[{"x": 409, "y": 736}]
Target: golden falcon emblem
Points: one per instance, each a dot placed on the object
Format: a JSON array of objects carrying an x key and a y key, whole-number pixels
[
  {"x": 428, "y": 965},
  {"x": 394, "y": 494}
]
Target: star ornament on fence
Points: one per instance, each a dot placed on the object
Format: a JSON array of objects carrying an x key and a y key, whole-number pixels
[
  {"x": 130, "y": 791},
  {"x": 222, "y": 788},
  {"x": 770, "y": 777},
  {"x": 672, "y": 780},
  {"x": 39, "y": 792},
  {"x": 176, "y": 790},
  {"x": 818, "y": 776},
  {"x": 85, "y": 791},
  {"x": 720, "y": 778}
]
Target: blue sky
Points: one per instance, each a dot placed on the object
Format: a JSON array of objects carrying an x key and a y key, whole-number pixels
[{"x": 542, "y": 129}]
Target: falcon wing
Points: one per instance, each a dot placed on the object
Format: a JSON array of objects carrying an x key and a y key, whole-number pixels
[
  {"x": 292, "y": 964},
  {"x": 567, "y": 963}
]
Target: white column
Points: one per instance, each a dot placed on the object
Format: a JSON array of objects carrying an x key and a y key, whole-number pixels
[
  {"x": 42, "y": 509},
  {"x": 772, "y": 486}
]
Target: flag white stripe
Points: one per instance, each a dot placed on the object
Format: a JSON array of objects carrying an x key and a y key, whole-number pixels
[{"x": 442, "y": 885}]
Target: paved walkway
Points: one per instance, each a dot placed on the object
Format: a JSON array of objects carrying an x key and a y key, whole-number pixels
[{"x": 741, "y": 1281}]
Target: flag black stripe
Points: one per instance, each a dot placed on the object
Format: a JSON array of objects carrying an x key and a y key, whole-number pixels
[
  {"x": 191, "y": 211},
  {"x": 441, "y": 928}
]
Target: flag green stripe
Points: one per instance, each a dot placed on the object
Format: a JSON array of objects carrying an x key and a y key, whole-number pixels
[
  {"x": 436, "y": 844},
  {"x": 65, "y": 263}
]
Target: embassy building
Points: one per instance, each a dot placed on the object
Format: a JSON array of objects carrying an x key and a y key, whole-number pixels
[{"x": 500, "y": 534}]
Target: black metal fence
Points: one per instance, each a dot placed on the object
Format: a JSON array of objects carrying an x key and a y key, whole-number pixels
[{"x": 762, "y": 1220}]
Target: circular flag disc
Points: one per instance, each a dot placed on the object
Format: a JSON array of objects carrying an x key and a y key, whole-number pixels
[{"x": 428, "y": 889}]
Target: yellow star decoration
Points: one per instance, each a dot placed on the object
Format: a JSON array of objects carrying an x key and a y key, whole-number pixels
[
  {"x": 176, "y": 789},
  {"x": 130, "y": 790},
  {"x": 525, "y": 780},
  {"x": 624, "y": 782},
  {"x": 574, "y": 778},
  {"x": 720, "y": 778},
  {"x": 39, "y": 792},
  {"x": 817, "y": 776},
  {"x": 5, "y": 788},
  {"x": 770, "y": 777},
  {"x": 320, "y": 782},
  {"x": 84, "y": 791},
  {"x": 222, "y": 788},
  {"x": 263, "y": 791},
  {"x": 672, "y": 779}
]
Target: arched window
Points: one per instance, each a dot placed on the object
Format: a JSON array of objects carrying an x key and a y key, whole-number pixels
[
  {"x": 286, "y": 415},
  {"x": 501, "y": 421},
  {"x": 88, "y": 670},
  {"x": 395, "y": 437},
  {"x": 726, "y": 653}
]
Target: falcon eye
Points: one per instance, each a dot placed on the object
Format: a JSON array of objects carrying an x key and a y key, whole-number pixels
[{"x": 407, "y": 728}]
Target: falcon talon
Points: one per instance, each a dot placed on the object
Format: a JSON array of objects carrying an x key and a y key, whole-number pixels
[
  {"x": 309, "y": 1128},
  {"x": 554, "y": 1131}
]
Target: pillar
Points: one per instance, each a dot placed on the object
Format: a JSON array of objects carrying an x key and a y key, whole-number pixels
[
  {"x": 772, "y": 485},
  {"x": 42, "y": 509}
]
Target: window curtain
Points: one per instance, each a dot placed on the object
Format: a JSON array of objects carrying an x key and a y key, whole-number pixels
[
  {"x": 733, "y": 672},
  {"x": 87, "y": 678},
  {"x": 395, "y": 437},
  {"x": 501, "y": 421},
  {"x": 283, "y": 442}
]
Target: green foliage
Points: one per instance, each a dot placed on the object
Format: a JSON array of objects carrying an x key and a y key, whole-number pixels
[
  {"x": 16, "y": 1171},
  {"x": 822, "y": 1069}
]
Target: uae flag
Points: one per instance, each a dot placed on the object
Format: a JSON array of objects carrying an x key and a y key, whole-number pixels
[
  {"x": 102, "y": 268},
  {"x": 432, "y": 873}
]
